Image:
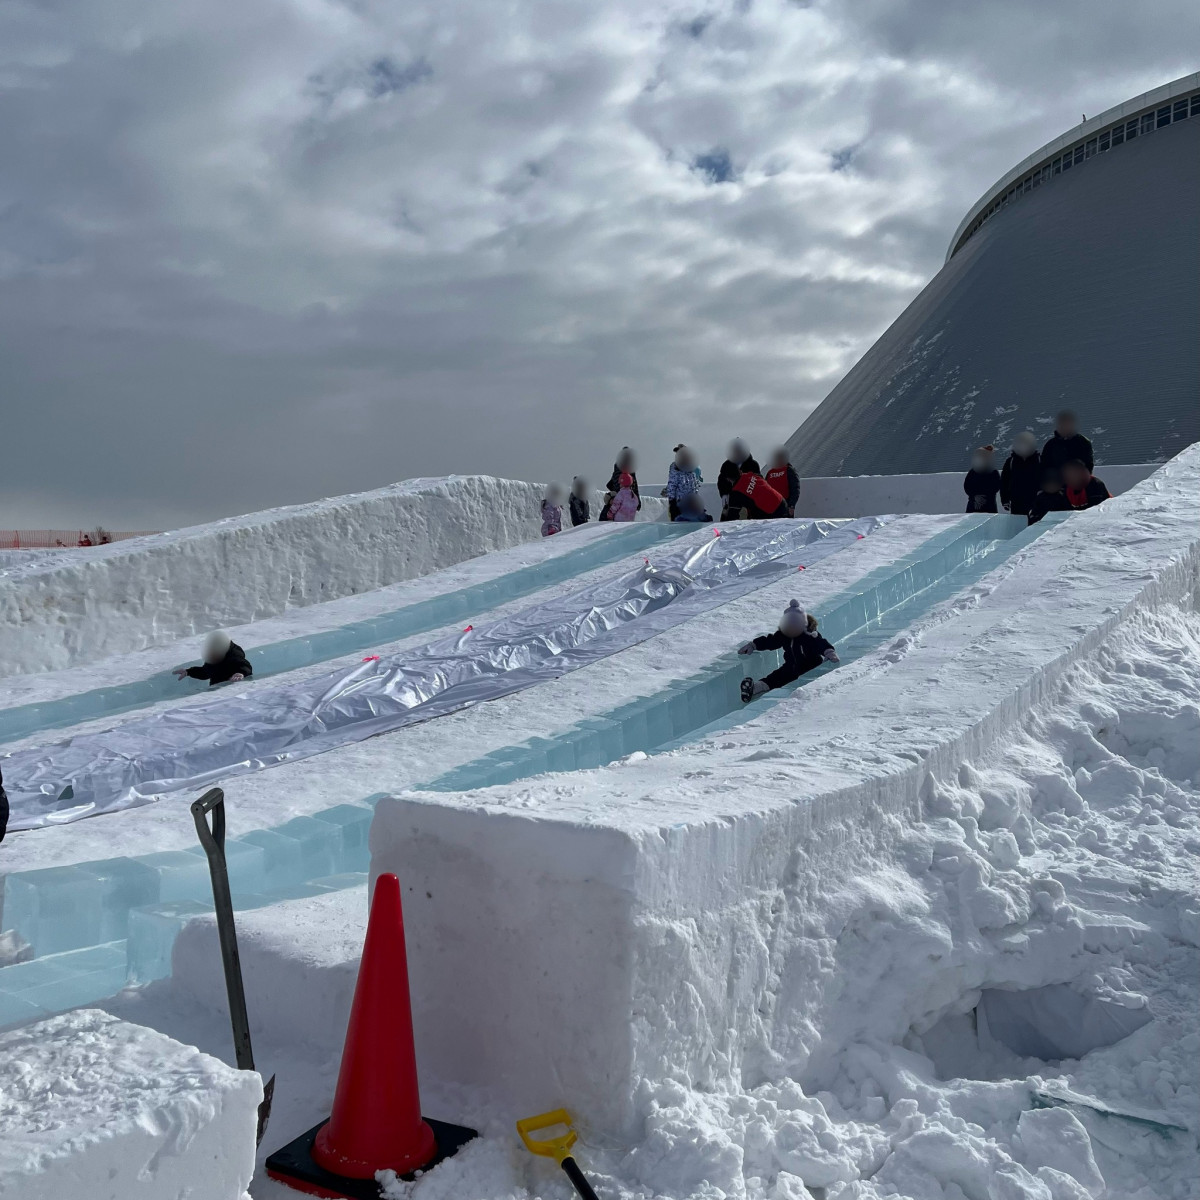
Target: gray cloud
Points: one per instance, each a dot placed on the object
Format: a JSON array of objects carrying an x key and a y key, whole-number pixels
[{"x": 253, "y": 254}]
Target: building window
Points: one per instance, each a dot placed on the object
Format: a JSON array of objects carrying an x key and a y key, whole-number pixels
[
  {"x": 1056, "y": 166},
  {"x": 1131, "y": 130},
  {"x": 1164, "y": 116},
  {"x": 1180, "y": 112},
  {"x": 1090, "y": 148},
  {"x": 1067, "y": 161},
  {"x": 1118, "y": 135},
  {"x": 1196, "y": 105},
  {"x": 1104, "y": 142},
  {"x": 1147, "y": 122},
  {"x": 1078, "y": 156}
]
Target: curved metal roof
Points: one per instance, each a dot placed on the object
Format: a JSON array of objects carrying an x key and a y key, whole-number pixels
[
  {"x": 1084, "y": 294},
  {"x": 1082, "y": 131}
]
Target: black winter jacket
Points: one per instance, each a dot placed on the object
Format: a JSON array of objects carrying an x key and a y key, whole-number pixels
[
  {"x": 1094, "y": 492},
  {"x": 1047, "y": 502},
  {"x": 981, "y": 488},
  {"x": 730, "y": 473},
  {"x": 233, "y": 663},
  {"x": 1060, "y": 450},
  {"x": 3, "y": 808},
  {"x": 800, "y": 655},
  {"x": 580, "y": 510},
  {"x": 1020, "y": 482},
  {"x": 614, "y": 483}
]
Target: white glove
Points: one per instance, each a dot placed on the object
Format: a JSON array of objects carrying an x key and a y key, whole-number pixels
[
  {"x": 1007, "y": 508},
  {"x": 181, "y": 672},
  {"x": 831, "y": 656},
  {"x": 748, "y": 648},
  {"x": 236, "y": 677}
]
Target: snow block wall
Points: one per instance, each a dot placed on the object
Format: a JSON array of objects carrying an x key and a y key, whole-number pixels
[
  {"x": 112, "y": 599},
  {"x": 96, "y": 1107},
  {"x": 734, "y": 914},
  {"x": 936, "y": 492}
]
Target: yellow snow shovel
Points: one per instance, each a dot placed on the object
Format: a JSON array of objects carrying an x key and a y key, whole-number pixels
[{"x": 557, "y": 1148}]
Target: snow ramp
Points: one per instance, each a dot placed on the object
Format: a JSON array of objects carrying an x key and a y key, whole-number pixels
[{"x": 827, "y": 877}]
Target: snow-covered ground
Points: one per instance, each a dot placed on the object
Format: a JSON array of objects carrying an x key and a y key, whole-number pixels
[{"x": 818, "y": 955}]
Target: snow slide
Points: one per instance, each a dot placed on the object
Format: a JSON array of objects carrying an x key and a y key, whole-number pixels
[{"x": 262, "y": 726}]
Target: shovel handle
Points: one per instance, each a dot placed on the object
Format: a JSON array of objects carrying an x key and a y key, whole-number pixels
[
  {"x": 212, "y": 839},
  {"x": 577, "y": 1177}
]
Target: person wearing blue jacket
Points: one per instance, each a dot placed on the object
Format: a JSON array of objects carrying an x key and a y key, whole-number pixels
[
  {"x": 682, "y": 480},
  {"x": 692, "y": 509}
]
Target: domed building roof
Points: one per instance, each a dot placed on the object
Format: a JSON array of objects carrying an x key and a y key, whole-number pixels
[{"x": 1073, "y": 283}]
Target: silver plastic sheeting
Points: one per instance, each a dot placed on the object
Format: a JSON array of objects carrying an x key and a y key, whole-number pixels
[{"x": 261, "y": 726}]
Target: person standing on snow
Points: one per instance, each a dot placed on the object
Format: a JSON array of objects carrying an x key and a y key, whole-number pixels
[
  {"x": 803, "y": 650},
  {"x": 1049, "y": 499},
  {"x": 624, "y": 465},
  {"x": 1021, "y": 475},
  {"x": 982, "y": 482},
  {"x": 783, "y": 478},
  {"x": 552, "y": 511},
  {"x": 3, "y": 808},
  {"x": 224, "y": 661},
  {"x": 753, "y": 499},
  {"x": 734, "y": 467},
  {"x": 682, "y": 480},
  {"x": 1081, "y": 488},
  {"x": 1067, "y": 444},
  {"x": 581, "y": 512},
  {"x": 625, "y": 503}
]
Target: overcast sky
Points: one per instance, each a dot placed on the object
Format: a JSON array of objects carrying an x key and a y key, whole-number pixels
[{"x": 254, "y": 252}]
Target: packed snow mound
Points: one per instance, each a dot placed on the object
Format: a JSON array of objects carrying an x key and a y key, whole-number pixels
[
  {"x": 97, "y": 1107},
  {"x": 148, "y": 591},
  {"x": 772, "y": 956}
]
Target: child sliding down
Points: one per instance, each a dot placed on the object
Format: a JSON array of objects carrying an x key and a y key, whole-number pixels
[{"x": 803, "y": 649}]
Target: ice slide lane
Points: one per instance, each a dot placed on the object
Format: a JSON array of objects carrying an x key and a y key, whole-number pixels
[
  {"x": 95, "y": 925},
  {"x": 275, "y": 658},
  {"x": 251, "y": 729},
  {"x": 880, "y": 605}
]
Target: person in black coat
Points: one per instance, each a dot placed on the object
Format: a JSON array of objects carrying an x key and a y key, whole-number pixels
[
  {"x": 581, "y": 511},
  {"x": 740, "y": 462},
  {"x": 623, "y": 466},
  {"x": 1049, "y": 499},
  {"x": 1021, "y": 475},
  {"x": 982, "y": 482},
  {"x": 803, "y": 649},
  {"x": 224, "y": 662},
  {"x": 3, "y": 808},
  {"x": 1081, "y": 488},
  {"x": 1067, "y": 444}
]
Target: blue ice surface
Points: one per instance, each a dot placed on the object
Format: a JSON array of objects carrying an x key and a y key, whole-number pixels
[
  {"x": 879, "y": 605},
  {"x": 288, "y": 655},
  {"x": 57, "y": 909}
]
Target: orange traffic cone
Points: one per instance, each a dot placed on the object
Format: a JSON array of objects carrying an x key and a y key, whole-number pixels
[{"x": 376, "y": 1123}]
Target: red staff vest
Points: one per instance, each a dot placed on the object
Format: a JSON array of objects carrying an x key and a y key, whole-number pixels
[
  {"x": 759, "y": 492},
  {"x": 777, "y": 478}
]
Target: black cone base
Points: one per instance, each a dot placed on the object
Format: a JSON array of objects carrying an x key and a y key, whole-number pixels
[{"x": 293, "y": 1164}]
